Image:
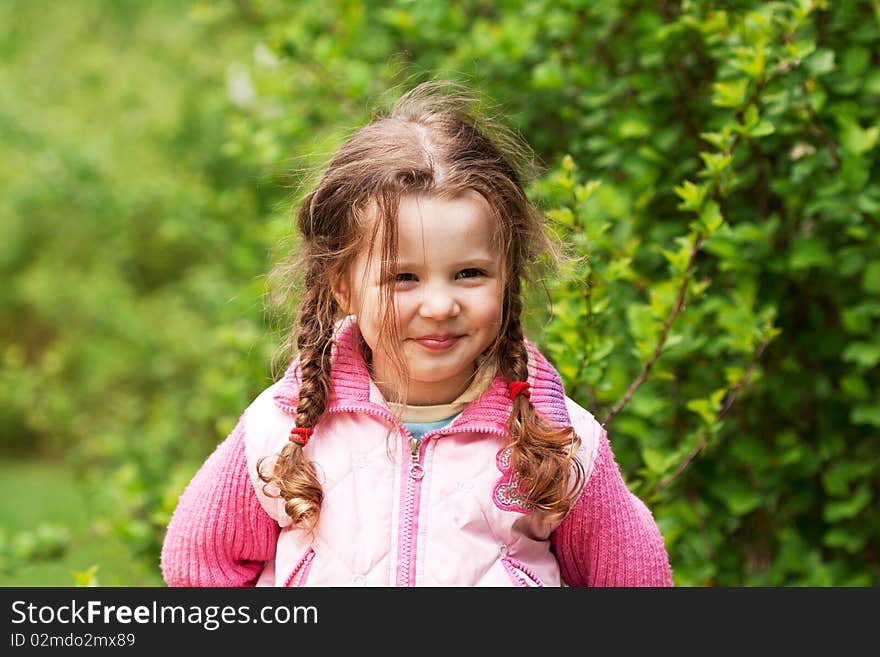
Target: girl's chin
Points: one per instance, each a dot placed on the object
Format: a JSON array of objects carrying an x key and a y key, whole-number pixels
[{"x": 431, "y": 390}]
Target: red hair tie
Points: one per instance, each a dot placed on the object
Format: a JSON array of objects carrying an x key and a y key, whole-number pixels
[
  {"x": 518, "y": 387},
  {"x": 300, "y": 435}
]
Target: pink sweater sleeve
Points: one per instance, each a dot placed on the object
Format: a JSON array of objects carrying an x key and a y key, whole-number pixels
[
  {"x": 610, "y": 538},
  {"x": 219, "y": 535}
]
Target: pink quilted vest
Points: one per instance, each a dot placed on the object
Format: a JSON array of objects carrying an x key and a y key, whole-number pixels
[{"x": 442, "y": 511}]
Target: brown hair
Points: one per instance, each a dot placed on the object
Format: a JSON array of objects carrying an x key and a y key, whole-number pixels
[{"x": 431, "y": 142}]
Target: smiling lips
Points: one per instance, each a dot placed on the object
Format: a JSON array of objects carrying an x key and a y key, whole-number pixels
[{"x": 438, "y": 342}]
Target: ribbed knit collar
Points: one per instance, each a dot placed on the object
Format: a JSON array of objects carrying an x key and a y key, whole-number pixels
[{"x": 351, "y": 387}]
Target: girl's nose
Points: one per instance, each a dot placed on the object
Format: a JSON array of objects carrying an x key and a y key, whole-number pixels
[{"x": 438, "y": 302}]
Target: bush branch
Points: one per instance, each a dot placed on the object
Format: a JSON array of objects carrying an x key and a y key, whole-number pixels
[
  {"x": 728, "y": 402},
  {"x": 664, "y": 335}
]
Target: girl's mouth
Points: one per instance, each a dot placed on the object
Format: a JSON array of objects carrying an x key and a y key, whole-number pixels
[{"x": 437, "y": 342}]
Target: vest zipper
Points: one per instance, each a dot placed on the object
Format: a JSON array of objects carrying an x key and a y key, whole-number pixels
[
  {"x": 409, "y": 522},
  {"x": 416, "y": 471},
  {"x": 408, "y": 543}
]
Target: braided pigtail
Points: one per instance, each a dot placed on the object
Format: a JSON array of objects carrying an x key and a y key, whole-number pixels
[
  {"x": 542, "y": 456},
  {"x": 293, "y": 474}
]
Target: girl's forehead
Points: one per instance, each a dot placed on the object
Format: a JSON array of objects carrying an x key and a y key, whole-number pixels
[
  {"x": 464, "y": 211},
  {"x": 447, "y": 231}
]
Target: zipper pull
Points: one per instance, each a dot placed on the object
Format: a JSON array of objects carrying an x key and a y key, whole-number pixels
[{"x": 416, "y": 471}]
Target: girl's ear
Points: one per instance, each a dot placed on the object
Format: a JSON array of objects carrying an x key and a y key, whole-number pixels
[{"x": 340, "y": 288}]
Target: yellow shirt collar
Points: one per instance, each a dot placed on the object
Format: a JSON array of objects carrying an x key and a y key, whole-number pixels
[{"x": 408, "y": 413}]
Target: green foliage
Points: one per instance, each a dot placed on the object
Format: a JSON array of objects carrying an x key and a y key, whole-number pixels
[
  {"x": 713, "y": 167},
  {"x": 42, "y": 543},
  {"x": 131, "y": 249},
  {"x": 87, "y": 577}
]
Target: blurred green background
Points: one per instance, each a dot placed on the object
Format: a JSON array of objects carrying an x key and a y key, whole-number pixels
[{"x": 715, "y": 163}]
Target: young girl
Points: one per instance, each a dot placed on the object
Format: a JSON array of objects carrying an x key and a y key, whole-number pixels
[{"x": 418, "y": 439}]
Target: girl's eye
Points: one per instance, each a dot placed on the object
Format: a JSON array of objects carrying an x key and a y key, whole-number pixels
[
  {"x": 470, "y": 273},
  {"x": 404, "y": 277}
]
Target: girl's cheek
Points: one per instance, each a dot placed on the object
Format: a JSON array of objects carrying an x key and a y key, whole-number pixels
[{"x": 404, "y": 299}]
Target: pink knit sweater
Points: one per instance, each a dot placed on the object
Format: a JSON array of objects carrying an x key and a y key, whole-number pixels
[{"x": 220, "y": 535}]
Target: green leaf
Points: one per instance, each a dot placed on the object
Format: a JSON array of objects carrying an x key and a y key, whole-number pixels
[
  {"x": 858, "y": 319},
  {"x": 731, "y": 93},
  {"x": 849, "y": 507},
  {"x": 755, "y": 126},
  {"x": 733, "y": 374},
  {"x": 86, "y": 577},
  {"x": 692, "y": 195},
  {"x": 854, "y": 386},
  {"x": 865, "y": 414},
  {"x": 563, "y": 216},
  {"x": 736, "y": 495},
  {"x": 866, "y": 354},
  {"x": 801, "y": 48},
  {"x": 856, "y": 59},
  {"x": 716, "y": 162},
  {"x": 871, "y": 278},
  {"x": 662, "y": 297},
  {"x": 846, "y": 539},
  {"x": 711, "y": 218},
  {"x": 548, "y": 74},
  {"x": 633, "y": 129},
  {"x": 641, "y": 321},
  {"x": 656, "y": 460},
  {"x": 751, "y": 61},
  {"x": 807, "y": 252},
  {"x": 720, "y": 140},
  {"x": 855, "y": 172},
  {"x": 585, "y": 191},
  {"x": 678, "y": 259},
  {"x": 836, "y": 480},
  {"x": 762, "y": 129},
  {"x": 820, "y": 62},
  {"x": 855, "y": 139},
  {"x": 752, "y": 450},
  {"x": 743, "y": 502},
  {"x": 703, "y": 408}
]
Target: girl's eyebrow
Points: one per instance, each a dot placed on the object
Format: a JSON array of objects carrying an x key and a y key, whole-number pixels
[
  {"x": 479, "y": 262},
  {"x": 464, "y": 263}
]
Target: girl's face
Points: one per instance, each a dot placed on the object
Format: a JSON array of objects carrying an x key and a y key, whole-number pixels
[{"x": 447, "y": 296}]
